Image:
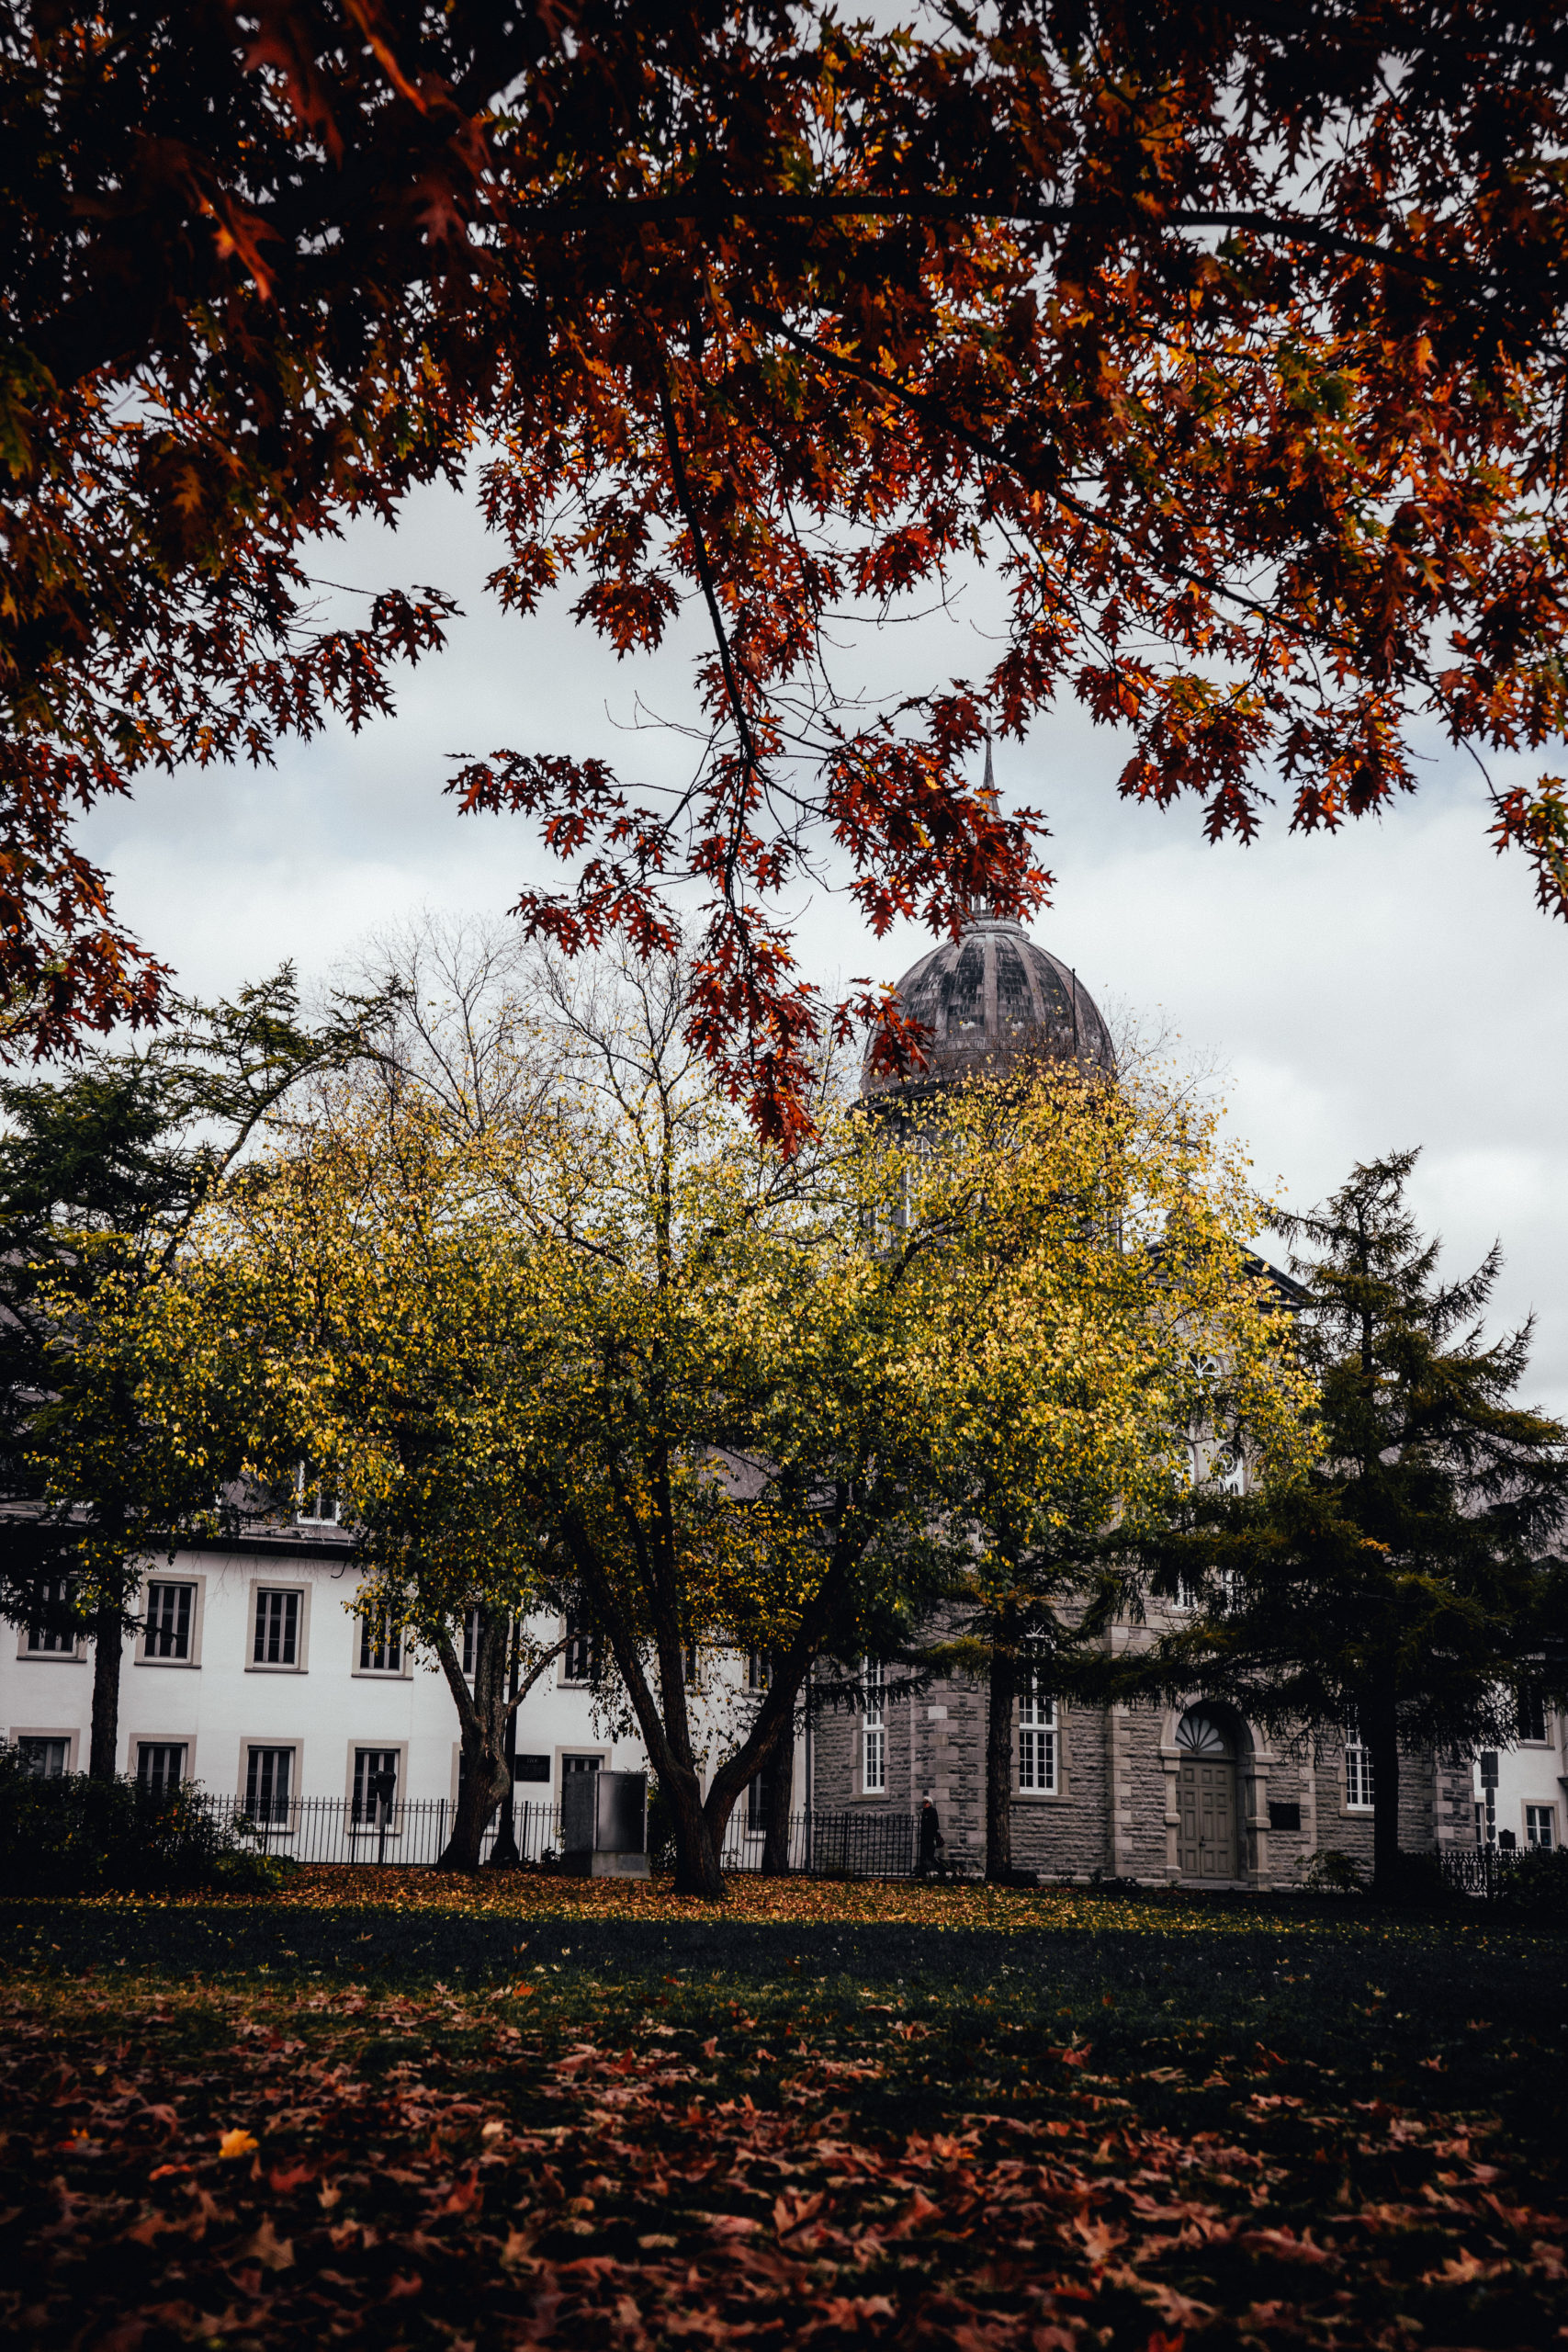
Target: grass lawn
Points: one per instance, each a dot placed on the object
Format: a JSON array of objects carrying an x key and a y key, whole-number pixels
[{"x": 895, "y": 2116}]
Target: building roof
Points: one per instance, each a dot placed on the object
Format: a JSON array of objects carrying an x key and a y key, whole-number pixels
[{"x": 991, "y": 998}]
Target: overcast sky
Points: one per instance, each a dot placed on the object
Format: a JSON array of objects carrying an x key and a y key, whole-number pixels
[{"x": 1393, "y": 985}]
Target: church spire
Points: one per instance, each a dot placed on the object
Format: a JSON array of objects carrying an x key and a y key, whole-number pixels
[{"x": 982, "y": 909}]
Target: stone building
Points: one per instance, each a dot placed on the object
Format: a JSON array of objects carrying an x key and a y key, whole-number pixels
[{"x": 1189, "y": 1793}]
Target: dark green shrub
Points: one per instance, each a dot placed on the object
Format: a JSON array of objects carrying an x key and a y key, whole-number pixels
[
  {"x": 1422, "y": 1880},
  {"x": 74, "y": 1836},
  {"x": 1536, "y": 1884},
  {"x": 1331, "y": 1872}
]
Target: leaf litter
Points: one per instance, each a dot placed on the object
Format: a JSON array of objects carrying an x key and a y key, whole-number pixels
[{"x": 653, "y": 2165}]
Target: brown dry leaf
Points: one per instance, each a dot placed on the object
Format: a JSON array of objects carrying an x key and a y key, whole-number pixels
[{"x": 268, "y": 2248}]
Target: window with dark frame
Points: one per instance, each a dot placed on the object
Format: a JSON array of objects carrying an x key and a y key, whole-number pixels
[
  {"x": 171, "y": 1610},
  {"x": 380, "y": 1645},
  {"x": 375, "y": 1785},
  {"x": 277, "y": 1628},
  {"x": 759, "y": 1795},
  {"x": 1533, "y": 1718},
  {"x": 160, "y": 1765},
  {"x": 579, "y": 1659},
  {"x": 269, "y": 1775},
  {"x": 45, "y": 1637},
  {"x": 45, "y": 1758}
]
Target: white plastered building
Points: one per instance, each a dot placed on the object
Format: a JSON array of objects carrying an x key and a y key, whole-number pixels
[{"x": 255, "y": 1674}]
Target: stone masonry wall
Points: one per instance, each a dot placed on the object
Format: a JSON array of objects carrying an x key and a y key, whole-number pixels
[{"x": 1112, "y": 1813}]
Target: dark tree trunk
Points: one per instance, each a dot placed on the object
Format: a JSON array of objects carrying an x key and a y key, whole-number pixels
[
  {"x": 998, "y": 1749},
  {"x": 1380, "y": 1729},
  {"x": 697, "y": 1870},
  {"x": 108, "y": 1643},
  {"x": 665, "y": 1726},
  {"x": 483, "y": 1778},
  {"x": 503, "y": 1854}
]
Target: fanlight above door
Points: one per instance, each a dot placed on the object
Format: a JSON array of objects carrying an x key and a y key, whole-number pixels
[{"x": 1200, "y": 1734}]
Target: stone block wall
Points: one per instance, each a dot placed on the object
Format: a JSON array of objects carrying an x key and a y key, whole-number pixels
[{"x": 1113, "y": 1813}]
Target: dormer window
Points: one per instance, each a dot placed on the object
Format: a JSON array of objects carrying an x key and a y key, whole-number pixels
[{"x": 315, "y": 1502}]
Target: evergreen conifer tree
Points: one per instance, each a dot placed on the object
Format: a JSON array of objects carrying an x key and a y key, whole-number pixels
[{"x": 1407, "y": 1587}]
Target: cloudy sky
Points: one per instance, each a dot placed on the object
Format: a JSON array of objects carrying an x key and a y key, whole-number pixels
[{"x": 1394, "y": 985}]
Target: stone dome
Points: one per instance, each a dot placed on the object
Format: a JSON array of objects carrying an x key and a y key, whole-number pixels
[{"x": 991, "y": 998}]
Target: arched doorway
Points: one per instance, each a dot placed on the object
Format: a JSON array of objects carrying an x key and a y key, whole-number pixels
[{"x": 1205, "y": 1796}]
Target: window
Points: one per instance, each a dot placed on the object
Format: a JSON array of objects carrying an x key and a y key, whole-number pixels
[
  {"x": 45, "y": 1757},
  {"x": 1036, "y": 1740},
  {"x": 580, "y": 1764},
  {"x": 1533, "y": 1718},
  {"x": 316, "y": 1505},
  {"x": 380, "y": 1645},
  {"x": 580, "y": 1660},
  {"x": 759, "y": 1669},
  {"x": 269, "y": 1773},
  {"x": 374, "y": 1786},
  {"x": 277, "y": 1628},
  {"x": 46, "y": 1636},
  {"x": 471, "y": 1644},
  {"x": 874, "y": 1735},
  {"x": 689, "y": 1665},
  {"x": 160, "y": 1765},
  {"x": 1358, "y": 1774},
  {"x": 1541, "y": 1825},
  {"x": 762, "y": 1791},
  {"x": 171, "y": 1610}
]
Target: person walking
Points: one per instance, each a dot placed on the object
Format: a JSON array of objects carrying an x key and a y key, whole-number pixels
[{"x": 931, "y": 1840}]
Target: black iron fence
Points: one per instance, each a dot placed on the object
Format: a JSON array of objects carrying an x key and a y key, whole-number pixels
[
  {"x": 1479, "y": 1869},
  {"x": 833, "y": 1845},
  {"x": 414, "y": 1832},
  {"x": 335, "y": 1829}
]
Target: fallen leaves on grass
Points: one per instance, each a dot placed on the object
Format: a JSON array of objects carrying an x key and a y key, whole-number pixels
[
  {"x": 442, "y": 2170},
  {"x": 794, "y": 1901}
]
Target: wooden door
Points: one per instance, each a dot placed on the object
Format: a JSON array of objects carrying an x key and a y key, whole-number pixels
[{"x": 1207, "y": 1806}]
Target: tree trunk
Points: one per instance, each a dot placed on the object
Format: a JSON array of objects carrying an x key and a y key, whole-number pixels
[
  {"x": 1380, "y": 1729},
  {"x": 666, "y": 1728},
  {"x": 697, "y": 1867},
  {"x": 998, "y": 1749},
  {"x": 483, "y": 1778},
  {"x": 108, "y": 1643},
  {"x": 503, "y": 1854}
]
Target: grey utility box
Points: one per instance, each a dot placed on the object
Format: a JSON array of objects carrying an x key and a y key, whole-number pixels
[{"x": 603, "y": 1824}]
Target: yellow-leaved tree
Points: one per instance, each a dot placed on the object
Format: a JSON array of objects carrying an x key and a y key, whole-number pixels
[
  {"x": 602, "y": 1346},
  {"x": 1103, "y": 1337}
]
